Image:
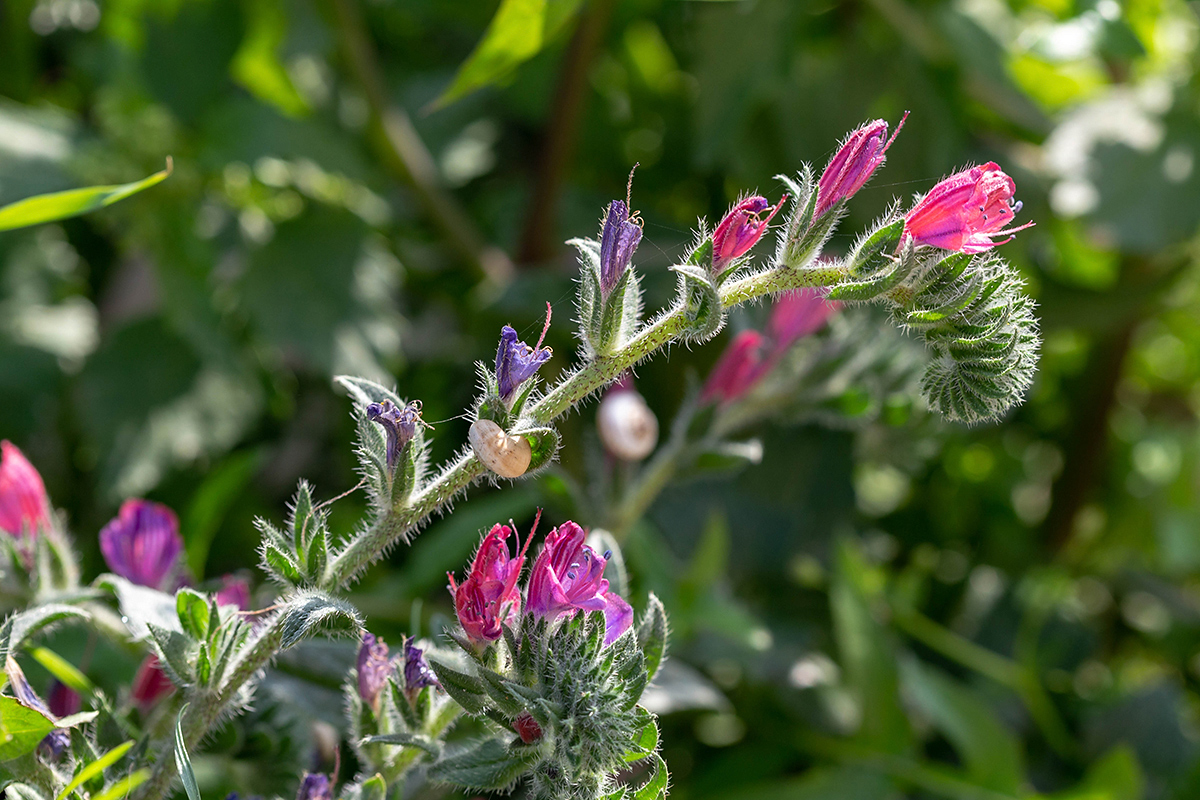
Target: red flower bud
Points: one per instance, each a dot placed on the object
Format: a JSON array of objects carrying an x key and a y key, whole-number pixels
[
  {"x": 741, "y": 229},
  {"x": 861, "y": 153}
]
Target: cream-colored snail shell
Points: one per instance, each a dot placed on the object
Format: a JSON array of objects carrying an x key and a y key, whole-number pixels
[
  {"x": 628, "y": 428},
  {"x": 507, "y": 456}
]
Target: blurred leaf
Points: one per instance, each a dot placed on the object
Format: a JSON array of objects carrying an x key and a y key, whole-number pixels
[
  {"x": 310, "y": 613},
  {"x": 867, "y": 651},
  {"x": 21, "y": 728},
  {"x": 516, "y": 34},
  {"x": 183, "y": 762},
  {"x": 821, "y": 783},
  {"x": 63, "y": 670},
  {"x": 989, "y": 751},
  {"x": 95, "y": 768},
  {"x": 73, "y": 202},
  {"x": 124, "y": 787},
  {"x": 257, "y": 66},
  {"x": 211, "y": 502}
]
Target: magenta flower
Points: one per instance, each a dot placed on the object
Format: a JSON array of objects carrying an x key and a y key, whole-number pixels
[
  {"x": 150, "y": 684},
  {"x": 142, "y": 544},
  {"x": 24, "y": 506},
  {"x": 489, "y": 597},
  {"x": 618, "y": 241},
  {"x": 857, "y": 158},
  {"x": 517, "y": 362},
  {"x": 63, "y": 700},
  {"x": 568, "y": 576},
  {"x": 751, "y": 355},
  {"x": 234, "y": 592},
  {"x": 966, "y": 211},
  {"x": 741, "y": 229},
  {"x": 400, "y": 424},
  {"x": 373, "y": 668}
]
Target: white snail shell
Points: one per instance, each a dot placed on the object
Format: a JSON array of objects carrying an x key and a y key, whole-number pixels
[
  {"x": 507, "y": 456},
  {"x": 628, "y": 428}
]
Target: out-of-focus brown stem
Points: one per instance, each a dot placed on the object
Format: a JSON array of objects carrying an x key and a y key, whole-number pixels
[
  {"x": 558, "y": 146},
  {"x": 405, "y": 154}
]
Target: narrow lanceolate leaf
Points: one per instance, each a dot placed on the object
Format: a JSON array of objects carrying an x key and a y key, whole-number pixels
[
  {"x": 21, "y": 728},
  {"x": 95, "y": 768},
  {"x": 72, "y": 203},
  {"x": 124, "y": 787},
  {"x": 63, "y": 670},
  {"x": 183, "y": 762}
]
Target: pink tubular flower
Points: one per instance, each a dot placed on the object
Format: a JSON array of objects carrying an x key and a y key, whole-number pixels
[
  {"x": 966, "y": 211},
  {"x": 860, "y": 154},
  {"x": 568, "y": 576},
  {"x": 741, "y": 229},
  {"x": 489, "y": 597},
  {"x": 736, "y": 370},
  {"x": 142, "y": 544},
  {"x": 234, "y": 591},
  {"x": 797, "y": 314},
  {"x": 24, "y": 506},
  {"x": 150, "y": 684}
]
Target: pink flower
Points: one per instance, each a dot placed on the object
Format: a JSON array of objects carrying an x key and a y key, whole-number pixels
[
  {"x": 489, "y": 597},
  {"x": 568, "y": 576},
  {"x": 860, "y": 154},
  {"x": 142, "y": 544},
  {"x": 24, "y": 506},
  {"x": 966, "y": 211},
  {"x": 150, "y": 684},
  {"x": 235, "y": 591},
  {"x": 751, "y": 355},
  {"x": 741, "y": 229}
]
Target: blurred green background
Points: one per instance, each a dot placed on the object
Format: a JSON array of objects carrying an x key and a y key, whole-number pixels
[{"x": 893, "y": 608}]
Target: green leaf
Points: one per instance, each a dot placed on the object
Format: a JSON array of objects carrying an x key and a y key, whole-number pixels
[
  {"x": 652, "y": 635},
  {"x": 516, "y": 34},
  {"x": 489, "y": 764},
  {"x": 406, "y": 740},
  {"x": 656, "y": 787},
  {"x": 71, "y": 203},
  {"x": 95, "y": 768},
  {"x": 182, "y": 762},
  {"x": 63, "y": 670},
  {"x": 21, "y": 728},
  {"x": 645, "y": 741},
  {"x": 309, "y": 613},
  {"x": 257, "y": 65},
  {"x": 988, "y": 750},
  {"x": 374, "y": 788},
  {"x": 122, "y": 788},
  {"x": 192, "y": 608},
  {"x": 18, "y": 628}
]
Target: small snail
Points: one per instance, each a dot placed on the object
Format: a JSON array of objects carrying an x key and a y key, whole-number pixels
[
  {"x": 628, "y": 428},
  {"x": 507, "y": 456}
]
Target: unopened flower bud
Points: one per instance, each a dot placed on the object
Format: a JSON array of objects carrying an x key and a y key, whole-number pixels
[
  {"x": 373, "y": 668},
  {"x": 966, "y": 211},
  {"x": 527, "y": 728},
  {"x": 860, "y": 154},
  {"x": 150, "y": 684},
  {"x": 315, "y": 786},
  {"x": 142, "y": 544},
  {"x": 618, "y": 241},
  {"x": 741, "y": 229},
  {"x": 417, "y": 672},
  {"x": 24, "y": 505},
  {"x": 627, "y": 426},
  {"x": 399, "y": 423}
]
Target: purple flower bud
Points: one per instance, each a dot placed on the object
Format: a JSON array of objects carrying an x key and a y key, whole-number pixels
[
  {"x": 63, "y": 700},
  {"x": 150, "y": 684},
  {"x": 618, "y": 240},
  {"x": 856, "y": 160},
  {"x": 400, "y": 424},
  {"x": 741, "y": 229},
  {"x": 374, "y": 666},
  {"x": 315, "y": 786},
  {"x": 568, "y": 576},
  {"x": 142, "y": 544},
  {"x": 517, "y": 362},
  {"x": 417, "y": 674}
]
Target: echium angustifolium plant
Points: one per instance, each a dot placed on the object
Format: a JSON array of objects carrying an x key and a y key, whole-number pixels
[{"x": 549, "y": 662}]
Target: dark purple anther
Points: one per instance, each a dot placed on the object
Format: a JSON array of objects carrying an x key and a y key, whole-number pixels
[
  {"x": 374, "y": 666},
  {"x": 517, "y": 362},
  {"x": 400, "y": 424},
  {"x": 417, "y": 674},
  {"x": 618, "y": 241},
  {"x": 143, "y": 544}
]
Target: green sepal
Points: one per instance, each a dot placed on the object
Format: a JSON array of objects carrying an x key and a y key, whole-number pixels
[
  {"x": 177, "y": 653},
  {"x": 652, "y": 635},
  {"x": 194, "y": 613},
  {"x": 543, "y": 444},
  {"x": 645, "y": 741},
  {"x": 488, "y": 764},
  {"x": 466, "y": 690},
  {"x": 701, "y": 302},
  {"x": 619, "y": 315},
  {"x": 870, "y": 254}
]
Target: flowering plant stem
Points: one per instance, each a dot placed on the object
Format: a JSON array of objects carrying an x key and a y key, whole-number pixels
[{"x": 590, "y": 377}]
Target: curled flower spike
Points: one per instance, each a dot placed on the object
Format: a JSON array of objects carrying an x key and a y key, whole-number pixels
[
  {"x": 142, "y": 544},
  {"x": 417, "y": 673},
  {"x": 24, "y": 505},
  {"x": 568, "y": 577},
  {"x": 860, "y": 154},
  {"x": 400, "y": 424},
  {"x": 517, "y": 362},
  {"x": 618, "y": 241},
  {"x": 489, "y": 597},
  {"x": 741, "y": 229},
  {"x": 966, "y": 211},
  {"x": 373, "y": 667}
]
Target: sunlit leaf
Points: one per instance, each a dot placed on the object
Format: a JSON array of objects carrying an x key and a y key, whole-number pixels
[
  {"x": 72, "y": 203},
  {"x": 95, "y": 768},
  {"x": 21, "y": 728}
]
